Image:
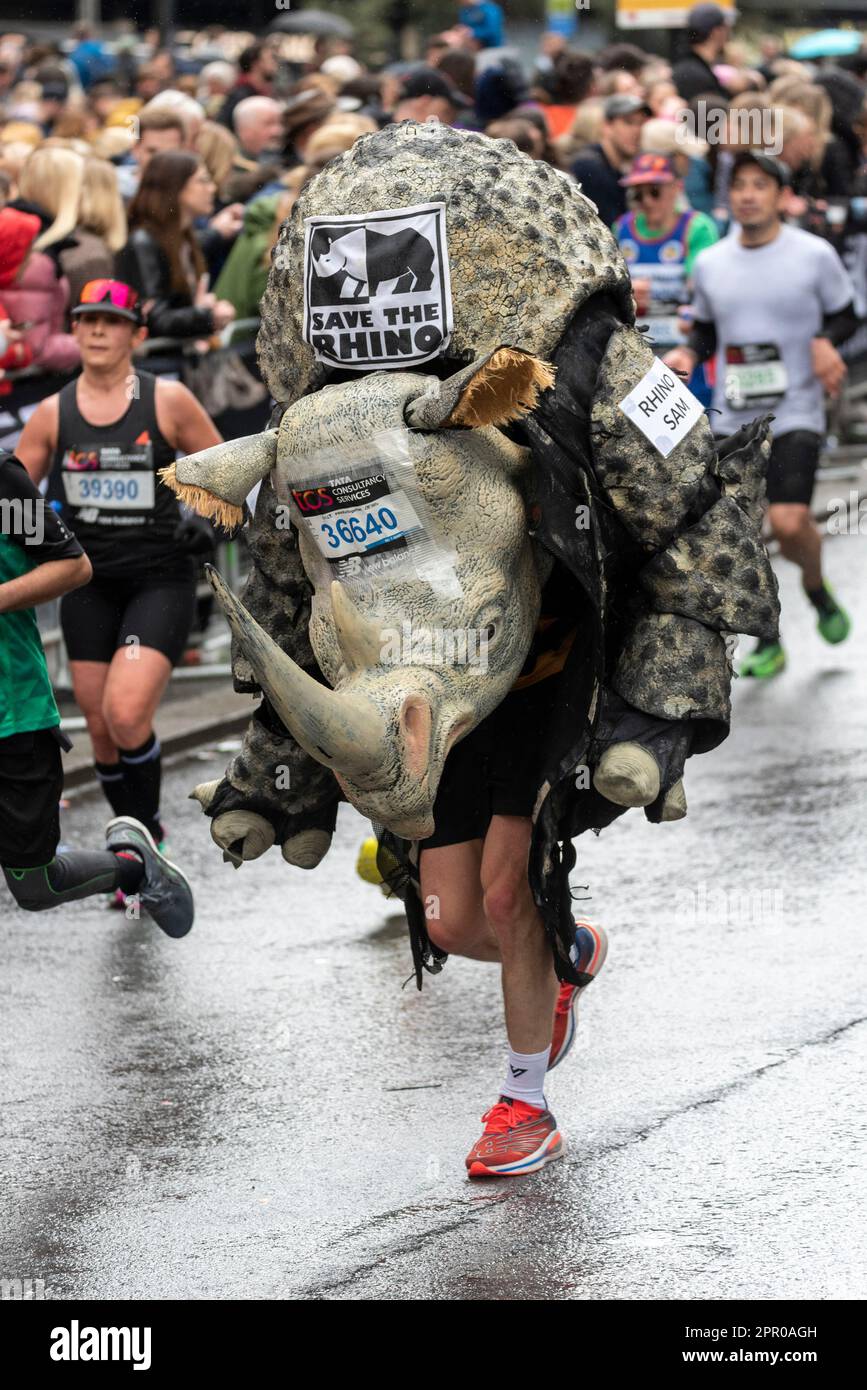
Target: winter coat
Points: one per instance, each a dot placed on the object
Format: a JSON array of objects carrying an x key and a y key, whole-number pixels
[{"x": 40, "y": 298}]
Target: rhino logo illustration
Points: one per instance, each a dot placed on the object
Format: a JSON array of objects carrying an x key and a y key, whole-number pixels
[
  {"x": 361, "y": 264},
  {"x": 377, "y": 288}
]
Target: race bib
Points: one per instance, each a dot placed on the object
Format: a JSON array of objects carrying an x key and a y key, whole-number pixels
[
  {"x": 356, "y": 517},
  {"x": 108, "y": 478},
  {"x": 377, "y": 290},
  {"x": 128, "y": 491},
  {"x": 662, "y": 408},
  {"x": 362, "y": 508},
  {"x": 754, "y": 374}
]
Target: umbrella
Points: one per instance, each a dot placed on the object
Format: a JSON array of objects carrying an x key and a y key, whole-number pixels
[
  {"x": 828, "y": 43},
  {"x": 316, "y": 22}
]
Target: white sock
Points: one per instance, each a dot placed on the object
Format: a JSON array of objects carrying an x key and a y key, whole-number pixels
[{"x": 525, "y": 1077}]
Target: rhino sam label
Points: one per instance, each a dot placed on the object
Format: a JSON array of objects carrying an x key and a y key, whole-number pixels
[{"x": 377, "y": 291}]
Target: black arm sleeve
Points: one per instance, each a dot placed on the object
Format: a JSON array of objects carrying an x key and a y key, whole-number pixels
[
  {"x": 839, "y": 326},
  {"x": 28, "y": 521},
  {"x": 702, "y": 340}
]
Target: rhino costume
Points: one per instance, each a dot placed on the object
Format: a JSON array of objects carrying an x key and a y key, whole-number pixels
[{"x": 660, "y": 544}]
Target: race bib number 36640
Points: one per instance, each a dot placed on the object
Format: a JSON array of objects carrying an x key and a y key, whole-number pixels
[{"x": 376, "y": 288}]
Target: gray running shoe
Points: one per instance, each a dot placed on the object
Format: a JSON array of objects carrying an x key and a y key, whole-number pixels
[{"x": 164, "y": 891}]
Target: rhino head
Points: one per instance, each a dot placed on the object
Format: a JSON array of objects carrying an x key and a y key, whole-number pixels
[{"x": 420, "y": 649}]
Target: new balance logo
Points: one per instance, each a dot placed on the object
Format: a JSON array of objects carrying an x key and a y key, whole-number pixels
[{"x": 517, "y": 1071}]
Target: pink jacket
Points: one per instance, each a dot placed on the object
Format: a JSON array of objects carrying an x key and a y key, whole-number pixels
[{"x": 37, "y": 296}]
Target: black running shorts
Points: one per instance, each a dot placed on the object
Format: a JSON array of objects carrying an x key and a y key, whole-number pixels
[
  {"x": 792, "y": 466},
  {"x": 495, "y": 770},
  {"x": 98, "y": 619},
  {"x": 31, "y": 785}
]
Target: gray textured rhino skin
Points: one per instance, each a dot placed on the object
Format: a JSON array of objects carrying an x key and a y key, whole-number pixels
[
  {"x": 466, "y": 479},
  {"x": 526, "y": 247}
]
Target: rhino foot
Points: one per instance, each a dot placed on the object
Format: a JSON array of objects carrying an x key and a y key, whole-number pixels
[
  {"x": 306, "y": 849},
  {"x": 627, "y": 775},
  {"x": 674, "y": 802},
  {"x": 242, "y": 835}
]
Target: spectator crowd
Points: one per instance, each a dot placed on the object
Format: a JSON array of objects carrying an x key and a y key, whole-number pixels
[{"x": 172, "y": 168}]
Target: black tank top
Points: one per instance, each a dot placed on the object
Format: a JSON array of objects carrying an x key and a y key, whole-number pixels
[{"x": 104, "y": 478}]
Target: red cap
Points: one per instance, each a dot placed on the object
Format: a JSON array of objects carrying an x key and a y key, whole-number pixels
[{"x": 650, "y": 168}]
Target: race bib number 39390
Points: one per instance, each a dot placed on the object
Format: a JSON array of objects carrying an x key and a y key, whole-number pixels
[
  {"x": 662, "y": 408},
  {"x": 376, "y": 288}
]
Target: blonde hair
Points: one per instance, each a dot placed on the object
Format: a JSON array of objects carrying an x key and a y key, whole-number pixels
[
  {"x": 101, "y": 210},
  {"x": 21, "y": 133},
  {"x": 586, "y": 128},
  {"x": 218, "y": 148},
  {"x": 807, "y": 97},
  {"x": 52, "y": 178},
  {"x": 335, "y": 136},
  {"x": 111, "y": 141}
]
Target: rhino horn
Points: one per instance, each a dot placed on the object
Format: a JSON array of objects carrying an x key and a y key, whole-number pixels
[
  {"x": 360, "y": 638},
  {"x": 341, "y": 732}
]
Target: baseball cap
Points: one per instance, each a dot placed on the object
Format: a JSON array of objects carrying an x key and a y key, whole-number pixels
[
  {"x": 108, "y": 297},
  {"x": 702, "y": 18},
  {"x": 623, "y": 104},
  {"x": 649, "y": 168},
  {"x": 427, "y": 82},
  {"x": 777, "y": 168}
]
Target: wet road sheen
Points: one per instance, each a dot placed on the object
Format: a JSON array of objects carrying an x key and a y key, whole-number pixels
[{"x": 261, "y": 1111}]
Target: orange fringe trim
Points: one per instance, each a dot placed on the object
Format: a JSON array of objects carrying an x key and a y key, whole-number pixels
[
  {"x": 204, "y": 503},
  {"x": 506, "y": 388}
]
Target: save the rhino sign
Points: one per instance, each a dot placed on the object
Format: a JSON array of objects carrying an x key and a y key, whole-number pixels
[
  {"x": 662, "y": 407},
  {"x": 377, "y": 289}
]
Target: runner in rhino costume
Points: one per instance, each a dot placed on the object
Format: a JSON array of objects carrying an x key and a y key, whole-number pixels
[{"x": 656, "y": 557}]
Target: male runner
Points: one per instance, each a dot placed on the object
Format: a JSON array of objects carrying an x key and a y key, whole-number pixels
[
  {"x": 474, "y": 867},
  {"x": 101, "y": 441},
  {"x": 773, "y": 302},
  {"x": 40, "y": 560}
]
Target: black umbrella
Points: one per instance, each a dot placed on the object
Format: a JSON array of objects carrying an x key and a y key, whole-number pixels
[{"x": 312, "y": 22}]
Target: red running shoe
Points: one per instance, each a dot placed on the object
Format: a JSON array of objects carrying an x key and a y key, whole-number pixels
[
  {"x": 588, "y": 954},
  {"x": 517, "y": 1139}
]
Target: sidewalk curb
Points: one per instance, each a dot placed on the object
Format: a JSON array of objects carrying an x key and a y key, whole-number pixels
[{"x": 81, "y": 777}]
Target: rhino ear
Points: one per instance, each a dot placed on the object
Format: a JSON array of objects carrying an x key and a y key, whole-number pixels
[{"x": 493, "y": 390}]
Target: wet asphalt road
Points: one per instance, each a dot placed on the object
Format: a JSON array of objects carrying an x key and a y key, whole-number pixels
[{"x": 261, "y": 1112}]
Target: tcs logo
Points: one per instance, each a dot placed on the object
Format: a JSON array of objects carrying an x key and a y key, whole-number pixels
[{"x": 313, "y": 499}]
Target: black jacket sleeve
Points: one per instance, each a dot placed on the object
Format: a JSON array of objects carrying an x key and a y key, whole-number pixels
[
  {"x": 143, "y": 264},
  {"x": 28, "y": 521}
]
